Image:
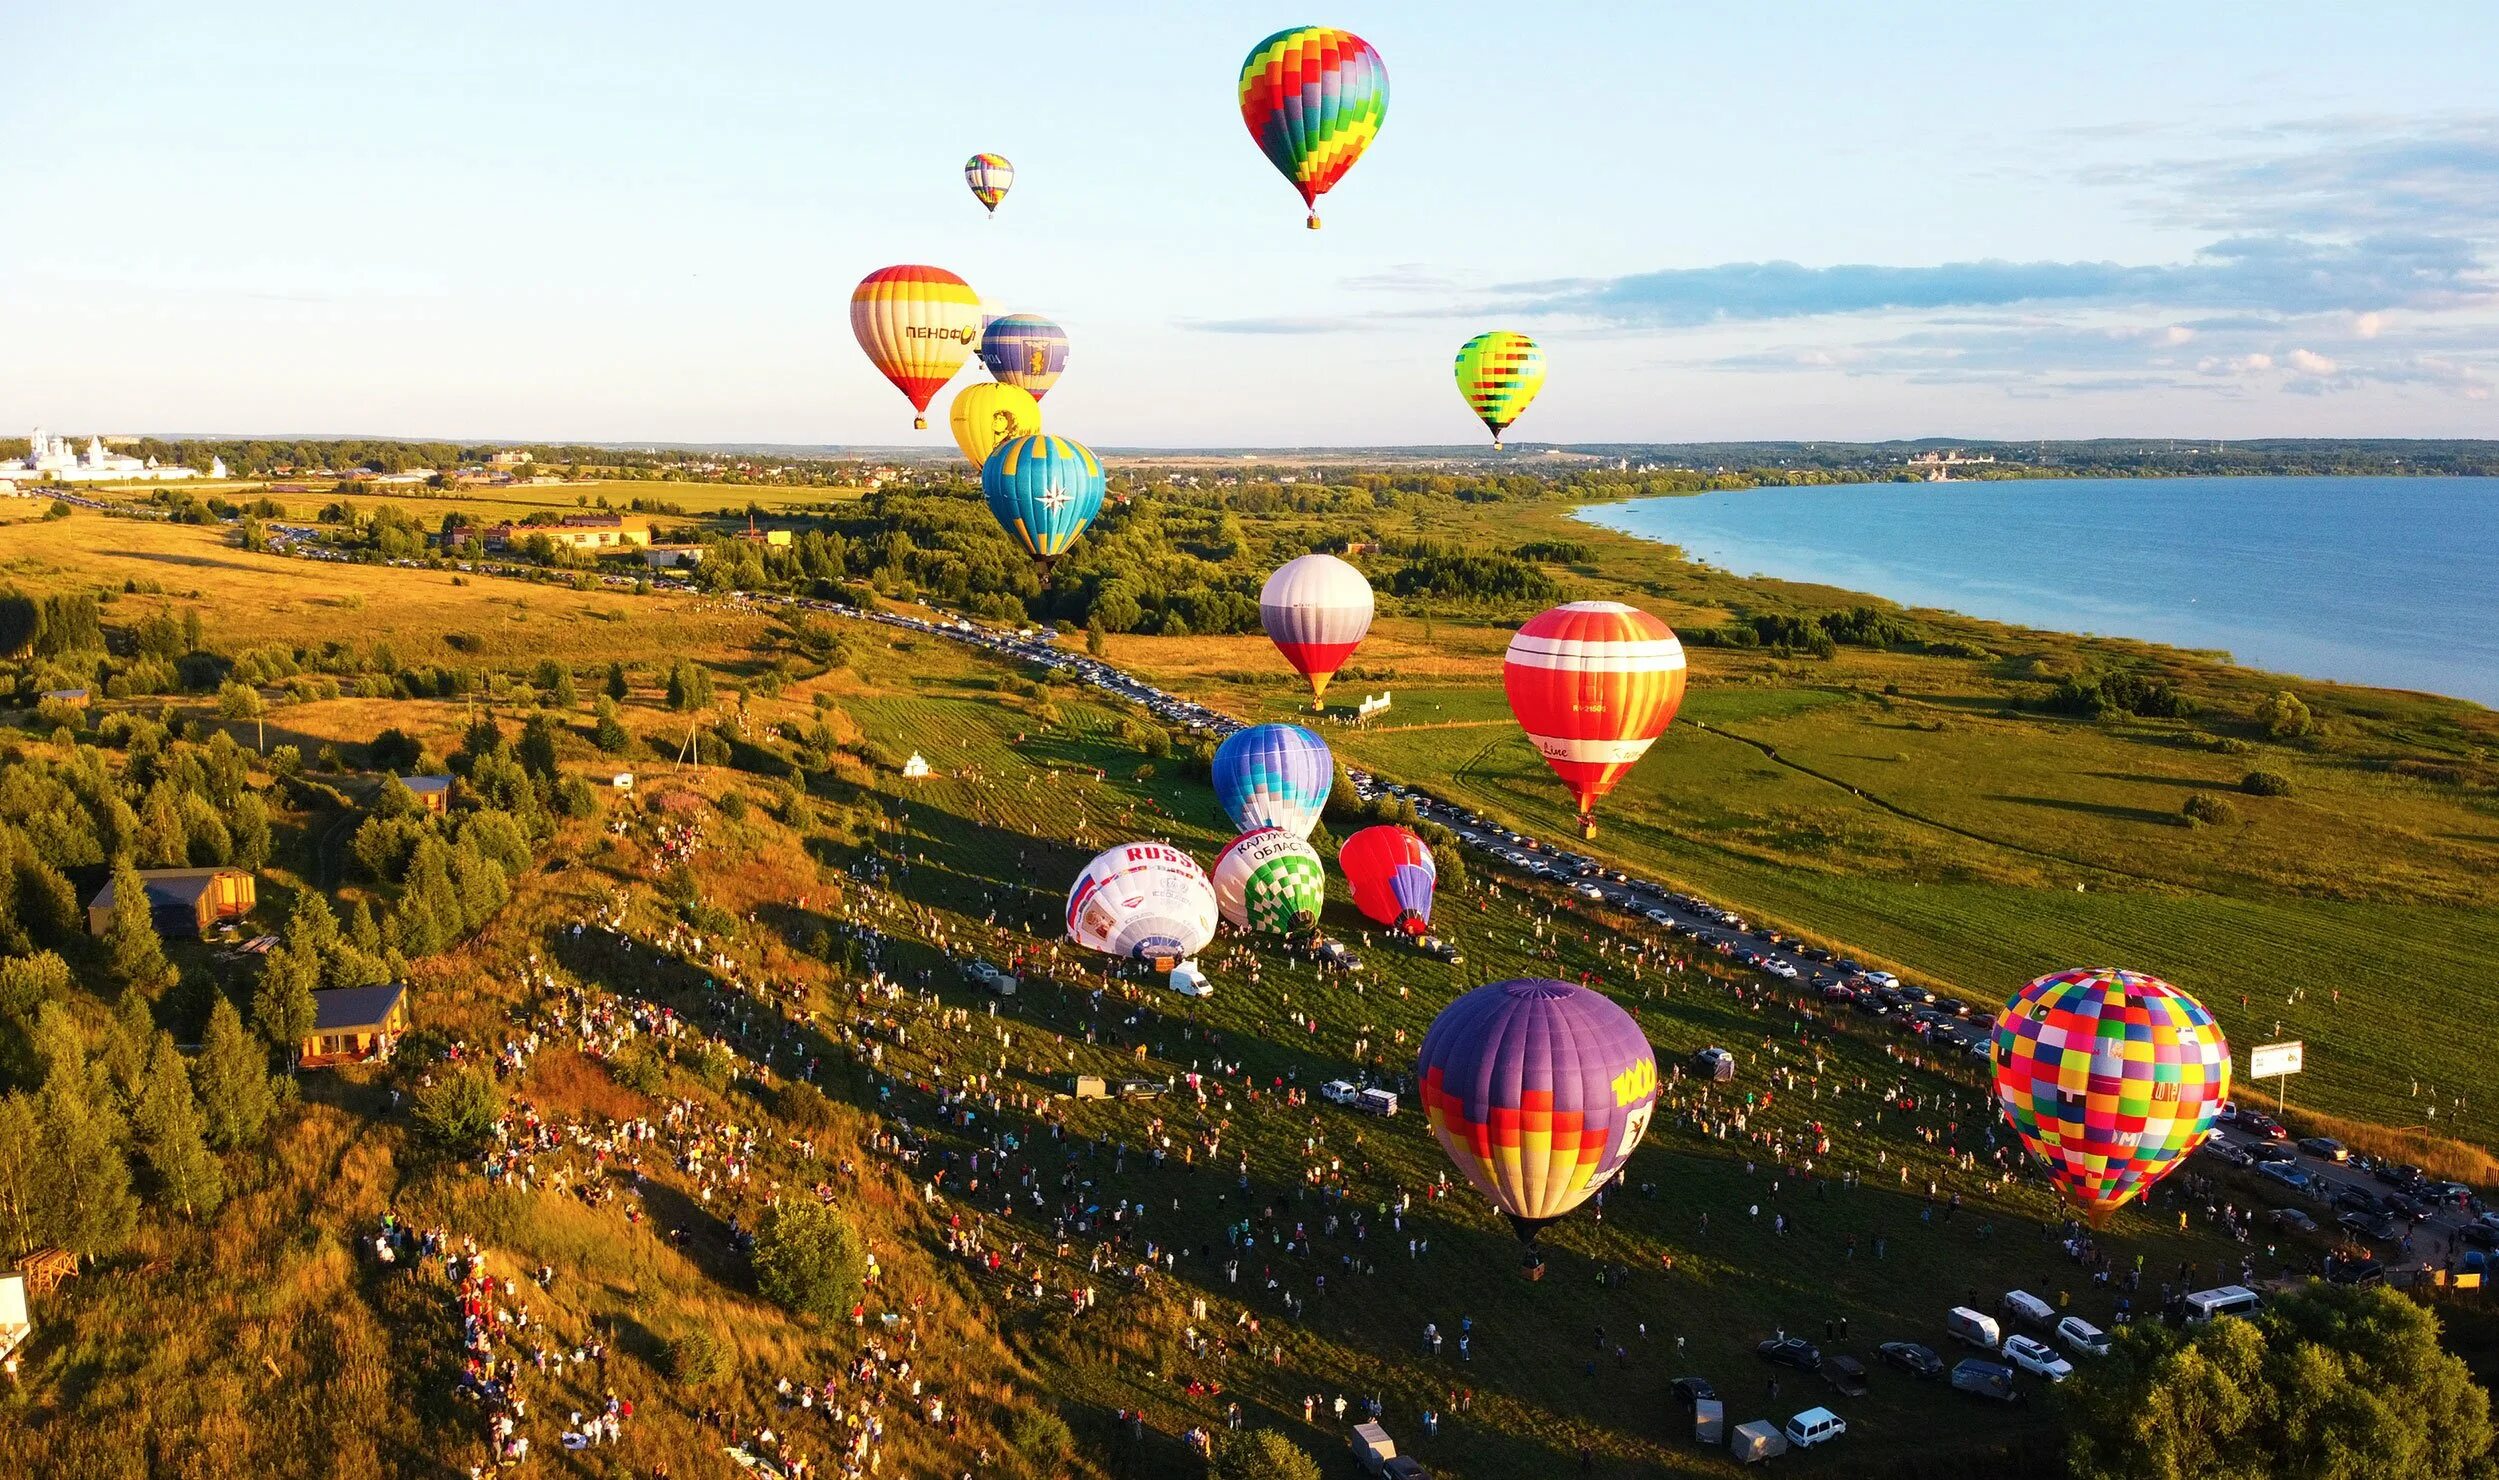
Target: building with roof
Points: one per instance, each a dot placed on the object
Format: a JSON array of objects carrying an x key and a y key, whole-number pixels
[
  {"x": 186, "y": 903},
  {"x": 433, "y": 791},
  {"x": 354, "y": 1025},
  {"x": 589, "y": 533}
]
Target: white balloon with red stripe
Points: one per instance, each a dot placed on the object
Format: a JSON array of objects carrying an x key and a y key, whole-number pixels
[{"x": 1593, "y": 684}]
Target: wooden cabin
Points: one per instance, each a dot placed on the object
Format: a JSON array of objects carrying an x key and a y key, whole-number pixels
[
  {"x": 186, "y": 903},
  {"x": 433, "y": 791},
  {"x": 354, "y": 1025}
]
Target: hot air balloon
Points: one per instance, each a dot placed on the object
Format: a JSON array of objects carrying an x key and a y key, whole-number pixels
[
  {"x": 1499, "y": 373},
  {"x": 990, "y": 177},
  {"x": 1592, "y": 684},
  {"x": 985, "y": 414},
  {"x": 2112, "y": 1077},
  {"x": 1316, "y": 609},
  {"x": 1268, "y": 879},
  {"x": 1313, "y": 98},
  {"x": 1026, "y": 350},
  {"x": 918, "y": 325},
  {"x": 1392, "y": 874},
  {"x": 1044, "y": 491},
  {"x": 1538, "y": 1090},
  {"x": 1274, "y": 776},
  {"x": 1142, "y": 901}
]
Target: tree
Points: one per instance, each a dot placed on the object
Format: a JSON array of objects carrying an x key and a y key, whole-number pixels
[
  {"x": 131, "y": 943},
  {"x": 537, "y": 749},
  {"x": 394, "y": 800},
  {"x": 612, "y": 735},
  {"x": 282, "y": 1005},
  {"x": 21, "y": 1172},
  {"x": 82, "y": 1199},
  {"x": 458, "y": 1111},
  {"x": 172, "y": 1134},
  {"x": 240, "y": 701},
  {"x": 233, "y": 1080},
  {"x": 2328, "y": 1380},
  {"x": 617, "y": 687},
  {"x": 556, "y": 681},
  {"x": 2283, "y": 717},
  {"x": 1258, "y": 1454},
  {"x": 808, "y": 1259}
]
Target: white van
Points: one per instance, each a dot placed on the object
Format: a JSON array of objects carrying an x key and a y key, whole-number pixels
[
  {"x": 2029, "y": 1309},
  {"x": 1338, "y": 1092},
  {"x": 1970, "y": 1326},
  {"x": 2229, "y": 1300},
  {"x": 1376, "y": 1102},
  {"x": 2082, "y": 1338},
  {"x": 1814, "y": 1426}
]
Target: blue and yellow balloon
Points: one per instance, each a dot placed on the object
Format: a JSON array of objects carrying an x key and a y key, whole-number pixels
[{"x": 1044, "y": 491}]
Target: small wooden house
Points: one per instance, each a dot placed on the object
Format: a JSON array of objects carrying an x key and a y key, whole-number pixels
[
  {"x": 433, "y": 791},
  {"x": 185, "y": 902},
  {"x": 354, "y": 1025}
]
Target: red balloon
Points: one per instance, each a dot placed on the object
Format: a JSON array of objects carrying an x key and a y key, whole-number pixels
[
  {"x": 1593, "y": 684},
  {"x": 1392, "y": 874}
]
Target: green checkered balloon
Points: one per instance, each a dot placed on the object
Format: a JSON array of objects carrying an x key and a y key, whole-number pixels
[{"x": 1269, "y": 879}]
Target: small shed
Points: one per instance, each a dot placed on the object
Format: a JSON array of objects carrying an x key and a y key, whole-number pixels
[
  {"x": 1758, "y": 1440},
  {"x": 184, "y": 902},
  {"x": 354, "y": 1025},
  {"x": 74, "y": 698},
  {"x": 433, "y": 791},
  {"x": 623, "y": 781}
]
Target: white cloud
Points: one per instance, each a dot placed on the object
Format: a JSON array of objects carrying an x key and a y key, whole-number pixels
[
  {"x": 2309, "y": 362},
  {"x": 2367, "y": 325}
]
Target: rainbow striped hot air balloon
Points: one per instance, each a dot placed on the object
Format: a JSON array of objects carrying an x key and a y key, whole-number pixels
[
  {"x": 990, "y": 177},
  {"x": 1499, "y": 372},
  {"x": 1025, "y": 350},
  {"x": 1044, "y": 491},
  {"x": 1268, "y": 879},
  {"x": 2112, "y": 1077},
  {"x": 1313, "y": 97},
  {"x": 1316, "y": 609},
  {"x": 1393, "y": 874},
  {"x": 918, "y": 325},
  {"x": 1537, "y": 1090},
  {"x": 1593, "y": 684},
  {"x": 1274, "y": 776}
]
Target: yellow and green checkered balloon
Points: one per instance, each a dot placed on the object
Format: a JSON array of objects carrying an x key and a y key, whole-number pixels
[{"x": 1499, "y": 372}]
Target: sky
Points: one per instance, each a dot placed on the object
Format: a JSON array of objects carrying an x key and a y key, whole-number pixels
[{"x": 546, "y": 220}]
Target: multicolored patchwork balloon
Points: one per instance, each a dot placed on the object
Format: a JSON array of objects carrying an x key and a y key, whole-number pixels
[
  {"x": 1145, "y": 901},
  {"x": 1499, "y": 372},
  {"x": 1274, "y": 776},
  {"x": 1313, "y": 98},
  {"x": 1393, "y": 874},
  {"x": 1316, "y": 609},
  {"x": 918, "y": 325},
  {"x": 1268, "y": 879},
  {"x": 990, "y": 177},
  {"x": 1593, "y": 684},
  {"x": 1537, "y": 1090},
  {"x": 1025, "y": 350},
  {"x": 1044, "y": 491},
  {"x": 2112, "y": 1077}
]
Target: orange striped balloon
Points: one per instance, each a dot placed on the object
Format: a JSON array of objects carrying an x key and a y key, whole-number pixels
[
  {"x": 1593, "y": 684},
  {"x": 918, "y": 325}
]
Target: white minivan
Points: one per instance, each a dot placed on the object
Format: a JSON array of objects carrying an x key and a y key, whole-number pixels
[
  {"x": 1815, "y": 1426},
  {"x": 2228, "y": 1300},
  {"x": 2082, "y": 1338}
]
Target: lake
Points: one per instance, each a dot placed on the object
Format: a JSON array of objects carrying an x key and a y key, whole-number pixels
[{"x": 2392, "y": 582}]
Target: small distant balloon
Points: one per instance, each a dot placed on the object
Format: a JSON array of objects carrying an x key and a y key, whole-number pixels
[
  {"x": 1314, "y": 98},
  {"x": 985, "y": 414},
  {"x": 1499, "y": 373},
  {"x": 1025, "y": 350},
  {"x": 990, "y": 177}
]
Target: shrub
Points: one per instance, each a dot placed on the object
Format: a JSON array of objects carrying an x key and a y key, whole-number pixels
[
  {"x": 1259, "y": 1454},
  {"x": 2209, "y": 809},
  {"x": 699, "y": 1358},
  {"x": 639, "y": 1068},
  {"x": 805, "y": 1106},
  {"x": 2265, "y": 784},
  {"x": 808, "y": 1259},
  {"x": 2283, "y": 717},
  {"x": 459, "y": 1111},
  {"x": 1040, "y": 1435}
]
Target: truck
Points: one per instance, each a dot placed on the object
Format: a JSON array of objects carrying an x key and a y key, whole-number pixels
[
  {"x": 1377, "y": 1453},
  {"x": 1378, "y": 1102}
]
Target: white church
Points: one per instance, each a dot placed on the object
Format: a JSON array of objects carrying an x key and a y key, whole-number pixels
[{"x": 50, "y": 459}]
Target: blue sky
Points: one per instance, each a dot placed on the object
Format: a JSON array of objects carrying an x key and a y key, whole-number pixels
[{"x": 621, "y": 221}]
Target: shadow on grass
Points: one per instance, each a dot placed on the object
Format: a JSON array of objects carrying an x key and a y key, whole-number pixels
[{"x": 2110, "y": 810}]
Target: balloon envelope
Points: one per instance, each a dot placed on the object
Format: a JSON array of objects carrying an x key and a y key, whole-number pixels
[
  {"x": 1025, "y": 350},
  {"x": 1538, "y": 1090},
  {"x": 1593, "y": 684},
  {"x": 1044, "y": 490},
  {"x": 1392, "y": 874},
  {"x": 1274, "y": 776},
  {"x": 1499, "y": 373},
  {"x": 1313, "y": 97},
  {"x": 1316, "y": 609},
  {"x": 1268, "y": 879},
  {"x": 990, "y": 177},
  {"x": 985, "y": 414},
  {"x": 1146, "y": 901},
  {"x": 918, "y": 325},
  {"x": 2110, "y": 1075}
]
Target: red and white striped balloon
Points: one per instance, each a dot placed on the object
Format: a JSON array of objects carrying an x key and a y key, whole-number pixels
[{"x": 1593, "y": 684}]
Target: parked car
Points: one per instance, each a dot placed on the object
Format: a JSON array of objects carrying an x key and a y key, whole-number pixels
[
  {"x": 2295, "y": 1219},
  {"x": 2358, "y": 1200},
  {"x": 1141, "y": 1089},
  {"x": 1912, "y": 1358},
  {"x": 1339, "y": 1091},
  {"x": 1378, "y": 1102},
  {"x": 2325, "y": 1148},
  {"x": 1791, "y": 1351},
  {"x": 2286, "y": 1174},
  {"x": 2227, "y": 1154},
  {"x": 2223, "y": 1300},
  {"x": 1990, "y": 1380},
  {"x": 2396, "y": 1174},
  {"x": 2265, "y": 1152},
  {"x": 1439, "y": 950},
  {"x": 2352, "y": 1267},
  {"x": 1691, "y": 1391},
  {"x": 2037, "y": 1358},
  {"x": 2376, "y": 1227},
  {"x": 2082, "y": 1337},
  {"x": 1970, "y": 1326},
  {"x": 1845, "y": 1373},
  {"x": 1815, "y": 1426}
]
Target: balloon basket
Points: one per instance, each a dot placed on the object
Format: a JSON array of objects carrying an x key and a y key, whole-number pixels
[
  {"x": 919, "y": 423},
  {"x": 1313, "y": 222},
  {"x": 1531, "y": 1265}
]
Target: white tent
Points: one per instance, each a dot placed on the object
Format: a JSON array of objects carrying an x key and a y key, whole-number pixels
[{"x": 916, "y": 767}]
